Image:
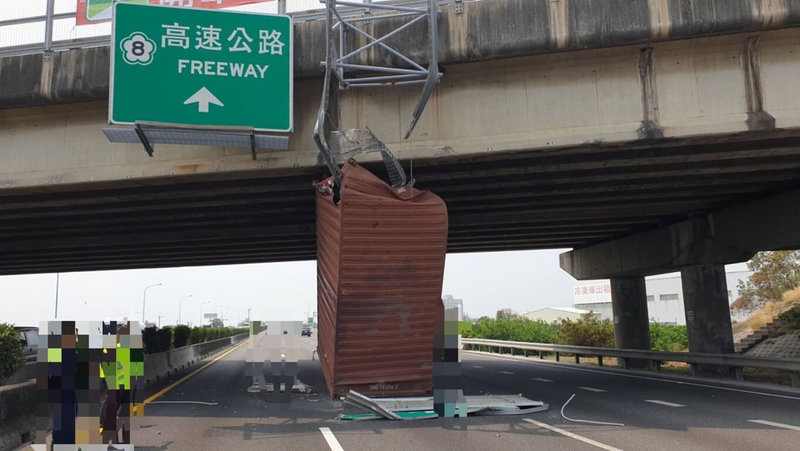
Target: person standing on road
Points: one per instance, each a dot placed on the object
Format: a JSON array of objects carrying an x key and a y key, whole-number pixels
[{"x": 122, "y": 370}]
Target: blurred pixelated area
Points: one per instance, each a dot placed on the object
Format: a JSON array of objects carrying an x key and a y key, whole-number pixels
[
  {"x": 272, "y": 360},
  {"x": 90, "y": 375},
  {"x": 448, "y": 397}
]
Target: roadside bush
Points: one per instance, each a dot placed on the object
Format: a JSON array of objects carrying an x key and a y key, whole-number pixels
[
  {"x": 164, "y": 338},
  {"x": 11, "y": 352},
  {"x": 464, "y": 327},
  {"x": 150, "y": 340},
  {"x": 668, "y": 338},
  {"x": 180, "y": 336},
  {"x": 198, "y": 335},
  {"x": 517, "y": 329},
  {"x": 771, "y": 310},
  {"x": 587, "y": 331}
]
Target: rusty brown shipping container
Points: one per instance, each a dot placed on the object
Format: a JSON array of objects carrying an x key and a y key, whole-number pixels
[{"x": 380, "y": 263}]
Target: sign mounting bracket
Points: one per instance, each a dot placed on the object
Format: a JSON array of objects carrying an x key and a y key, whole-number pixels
[
  {"x": 148, "y": 147},
  {"x": 148, "y": 134}
]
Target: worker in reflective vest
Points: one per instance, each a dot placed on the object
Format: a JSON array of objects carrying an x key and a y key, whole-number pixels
[{"x": 116, "y": 371}]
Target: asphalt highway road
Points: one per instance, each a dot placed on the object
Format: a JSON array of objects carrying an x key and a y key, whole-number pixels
[{"x": 212, "y": 410}]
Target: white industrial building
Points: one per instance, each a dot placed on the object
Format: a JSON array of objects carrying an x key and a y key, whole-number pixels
[{"x": 664, "y": 296}]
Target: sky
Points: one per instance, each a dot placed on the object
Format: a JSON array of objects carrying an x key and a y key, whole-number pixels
[{"x": 487, "y": 282}]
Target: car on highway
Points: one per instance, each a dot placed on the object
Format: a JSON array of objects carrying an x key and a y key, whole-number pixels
[
  {"x": 29, "y": 337},
  {"x": 305, "y": 333}
]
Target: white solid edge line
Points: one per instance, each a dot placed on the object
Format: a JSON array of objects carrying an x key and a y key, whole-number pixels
[
  {"x": 331, "y": 439},
  {"x": 571, "y": 435},
  {"x": 777, "y": 425},
  {"x": 664, "y": 403},
  {"x": 633, "y": 376},
  {"x": 596, "y": 390}
]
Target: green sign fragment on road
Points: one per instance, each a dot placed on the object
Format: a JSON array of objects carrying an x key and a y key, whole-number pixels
[{"x": 201, "y": 67}]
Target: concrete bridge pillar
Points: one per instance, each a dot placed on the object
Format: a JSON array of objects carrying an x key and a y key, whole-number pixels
[
  {"x": 708, "y": 315},
  {"x": 631, "y": 324}
]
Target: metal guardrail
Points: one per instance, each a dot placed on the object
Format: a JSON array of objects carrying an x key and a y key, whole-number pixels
[
  {"x": 48, "y": 45},
  {"x": 733, "y": 361}
]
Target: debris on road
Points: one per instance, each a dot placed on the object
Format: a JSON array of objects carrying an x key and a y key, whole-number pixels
[
  {"x": 298, "y": 387},
  {"x": 365, "y": 402},
  {"x": 575, "y": 420},
  {"x": 420, "y": 415},
  {"x": 416, "y": 408}
]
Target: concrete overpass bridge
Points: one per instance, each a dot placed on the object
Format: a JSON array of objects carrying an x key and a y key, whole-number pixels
[{"x": 648, "y": 135}]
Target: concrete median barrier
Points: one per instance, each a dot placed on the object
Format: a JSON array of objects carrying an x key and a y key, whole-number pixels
[
  {"x": 17, "y": 414},
  {"x": 163, "y": 364},
  {"x": 24, "y": 374},
  {"x": 156, "y": 366}
]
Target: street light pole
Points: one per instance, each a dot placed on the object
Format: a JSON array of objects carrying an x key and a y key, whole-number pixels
[
  {"x": 144, "y": 299},
  {"x": 179, "y": 307},
  {"x": 58, "y": 276}
]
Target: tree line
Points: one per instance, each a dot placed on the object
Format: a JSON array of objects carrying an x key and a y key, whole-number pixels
[
  {"x": 589, "y": 330},
  {"x": 168, "y": 337}
]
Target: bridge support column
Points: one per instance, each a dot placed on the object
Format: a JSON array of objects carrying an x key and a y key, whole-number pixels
[
  {"x": 708, "y": 315},
  {"x": 631, "y": 325}
]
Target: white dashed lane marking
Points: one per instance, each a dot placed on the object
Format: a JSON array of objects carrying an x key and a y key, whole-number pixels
[
  {"x": 777, "y": 425},
  {"x": 331, "y": 439},
  {"x": 541, "y": 379},
  {"x": 596, "y": 390},
  {"x": 505, "y": 372},
  {"x": 664, "y": 403},
  {"x": 571, "y": 435}
]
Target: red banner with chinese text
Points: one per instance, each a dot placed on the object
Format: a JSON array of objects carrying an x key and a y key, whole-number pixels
[{"x": 97, "y": 11}]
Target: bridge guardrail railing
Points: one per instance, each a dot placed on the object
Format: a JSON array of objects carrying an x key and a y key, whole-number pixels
[
  {"x": 734, "y": 361},
  {"x": 30, "y": 26}
]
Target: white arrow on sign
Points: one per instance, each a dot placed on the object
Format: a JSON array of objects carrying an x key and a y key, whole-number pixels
[{"x": 202, "y": 98}]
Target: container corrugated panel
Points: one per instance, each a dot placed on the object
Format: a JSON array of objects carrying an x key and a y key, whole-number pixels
[{"x": 380, "y": 263}]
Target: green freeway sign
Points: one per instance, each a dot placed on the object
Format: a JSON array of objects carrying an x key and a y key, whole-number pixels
[{"x": 200, "y": 67}]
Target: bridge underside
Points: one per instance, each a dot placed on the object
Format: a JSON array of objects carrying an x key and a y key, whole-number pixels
[{"x": 555, "y": 198}]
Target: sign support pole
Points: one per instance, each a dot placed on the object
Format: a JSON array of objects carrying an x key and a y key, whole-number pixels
[{"x": 143, "y": 138}]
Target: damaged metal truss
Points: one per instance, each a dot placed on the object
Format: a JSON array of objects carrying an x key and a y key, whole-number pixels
[
  {"x": 340, "y": 62},
  {"x": 346, "y": 144}
]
